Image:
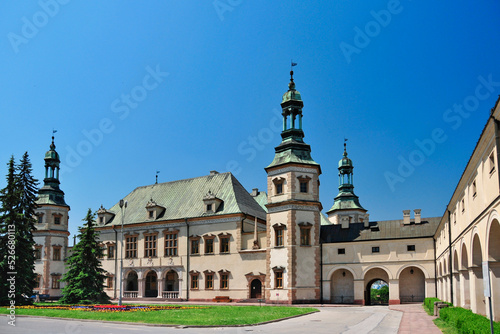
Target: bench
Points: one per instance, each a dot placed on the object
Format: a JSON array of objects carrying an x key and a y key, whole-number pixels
[
  {"x": 438, "y": 306},
  {"x": 222, "y": 299}
]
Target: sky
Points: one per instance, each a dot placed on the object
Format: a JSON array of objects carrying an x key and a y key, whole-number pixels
[{"x": 186, "y": 87}]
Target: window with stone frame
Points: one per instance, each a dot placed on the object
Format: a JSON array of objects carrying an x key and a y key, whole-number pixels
[
  {"x": 278, "y": 185},
  {"x": 38, "y": 252},
  {"x": 224, "y": 281},
  {"x": 109, "y": 281},
  {"x": 150, "y": 241},
  {"x": 305, "y": 234},
  {"x": 278, "y": 277},
  {"x": 40, "y": 218},
  {"x": 57, "y": 220},
  {"x": 224, "y": 243},
  {"x": 56, "y": 253},
  {"x": 209, "y": 244},
  {"x": 375, "y": 249},
  {"x": 304, "y": 183},
  {"x": 101, "y": 220},
  {"x": 111, "y": 251},
  {"x": 56, "y": 284},
  {"x": 209, "y": 281},
  {"x": 279, "y": 235},
  {"x": 195, "y": 281},
  {"x": 131, "y": 246},
  {"x": 171, "y": 243},
  {"x": 195, "y": 245},
  {"x": 38, "y": 281}
]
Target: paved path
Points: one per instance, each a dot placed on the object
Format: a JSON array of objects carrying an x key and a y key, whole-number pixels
[
  {"x": 331, "y": 320},
  {"x": 415, "y": 320}
]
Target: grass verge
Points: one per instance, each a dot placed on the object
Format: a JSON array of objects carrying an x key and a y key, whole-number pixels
[{"x": 206, "y": 316}]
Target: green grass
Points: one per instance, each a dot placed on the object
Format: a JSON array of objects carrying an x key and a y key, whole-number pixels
[{"x": 206, "y": 316}]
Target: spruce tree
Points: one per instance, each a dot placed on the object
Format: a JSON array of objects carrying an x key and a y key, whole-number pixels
[
  {"x": 85, "y": 276},
  {"x": 9, "y": 217},
  {"x": 28, "y": 189}
]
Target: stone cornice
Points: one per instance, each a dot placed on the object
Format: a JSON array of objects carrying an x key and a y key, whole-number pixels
[{"x": 292, "y": 169}]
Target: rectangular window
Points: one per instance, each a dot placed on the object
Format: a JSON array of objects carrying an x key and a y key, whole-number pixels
[
  {"x": 279, "y": 188},
  {"x": 38, "y": 280},
  {"x": 209, "y": 281},
  {"x": 303, "y": 187},
  {"x": 279, "y": 237},
  {"x": 209, "y": 246},
  {"x": 150, "y": 245},
  {"x": 305, "y": 236},
  {"x": 38, "y": 253},
  {"x": 279, "y": 280},
  {"x": 341, "y": 251},
  {"x": 209, "y": 207},
  {"x": 410, "y": 248},
  {"x": 57, "y": 220},
  {"x": 375, "y": 249},
  {"x": 492, "y": 163},
  {"x": 40, "y": 219},
  {"x": 57, "y": 254},
  {"x": 130, "y": 247},
  {"x": 195, "y": 246},
  {"x": 171, "y": 244},
  {"x": 224, "y": 281},
  {"x": 110, "y": 282},
  {"x": 151, "y": 214},
  {"x": 55, "y": 282},
  {"x": 224, "y": 244},
  {"x": 194, "y": 281},
  {"x": 101, "y": 219},
  {"x": 111, "y": 251}
]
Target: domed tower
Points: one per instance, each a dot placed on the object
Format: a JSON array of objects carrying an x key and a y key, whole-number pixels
[
  {"x": 293, "y": 219},
  {"x": 51, "y": 234},
  {"x": 346, "y": 208}
]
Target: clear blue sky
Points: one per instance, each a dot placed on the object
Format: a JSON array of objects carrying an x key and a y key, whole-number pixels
[{"x": 384, "y": 74}]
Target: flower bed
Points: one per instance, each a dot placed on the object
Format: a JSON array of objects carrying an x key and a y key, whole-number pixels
[{"x": 108, "y": 308}]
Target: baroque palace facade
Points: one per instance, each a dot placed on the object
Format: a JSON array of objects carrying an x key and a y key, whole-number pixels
[{"x": 207, "y": 238}]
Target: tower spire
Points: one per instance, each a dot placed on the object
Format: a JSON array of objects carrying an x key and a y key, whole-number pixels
[{"x": 50, "y": 192}]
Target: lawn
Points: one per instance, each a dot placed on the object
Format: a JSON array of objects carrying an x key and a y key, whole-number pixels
[{"x": 206, "y": 315}]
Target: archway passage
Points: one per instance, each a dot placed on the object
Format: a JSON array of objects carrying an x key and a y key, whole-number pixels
[
  {"x": 494, "y": 264},
  {"x": 132, "y": 282},
  {"x": 171, "y": 281},
  {"x": 256, "y": 289},
  {"x": 478, "y": 304},
  {"x": 342, "y": 287},
  {"x": 375, "y": 275},
  {"x": 377, "y": 293},
  {"x": 151, "y": 285},
  {"x": 411, "y": 285}
]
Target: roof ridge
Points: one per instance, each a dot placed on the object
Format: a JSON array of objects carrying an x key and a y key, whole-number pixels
[{"x": 181, "y": 180}]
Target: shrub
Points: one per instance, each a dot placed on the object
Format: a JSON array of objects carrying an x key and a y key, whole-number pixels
[
  {"x": 429, "y": 304},
  {"x": 467, "y": 322}
]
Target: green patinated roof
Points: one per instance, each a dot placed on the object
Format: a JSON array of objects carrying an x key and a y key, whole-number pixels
[
  {"x": 345, "y": 201},
  {"x": 324, "y": 219},
  {"x": 261, "y": 199},
  {"x": 379, "y": 230},
  {"x": 184, "y": 199},
  {"x": 51, "y": 197},
  {"x": 291, "y": 95},
  {"x": 292, "y": 156}
]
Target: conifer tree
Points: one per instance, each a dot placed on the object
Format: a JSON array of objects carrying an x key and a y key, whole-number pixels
[
  {"x": 85, "y": 276},
  {"x": 28, "y": 189},
  {"x": 16, "y": 234}
]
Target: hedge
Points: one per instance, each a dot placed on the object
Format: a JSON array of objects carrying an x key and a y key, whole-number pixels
[{"x": 467, "y": 322}]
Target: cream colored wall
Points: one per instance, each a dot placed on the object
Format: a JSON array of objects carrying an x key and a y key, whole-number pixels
[{"x": 391, "y": 261}]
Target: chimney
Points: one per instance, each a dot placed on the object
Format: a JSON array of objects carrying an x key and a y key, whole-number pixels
[
  {"x": 417, "y": 216},
  {"x": 406, "y": 217},
  {"x": 255, "y": 192},
  {"x": 344, "y": 221},
  {"x": 214, "y": 172},
  {"x": 366, "y": 221}
]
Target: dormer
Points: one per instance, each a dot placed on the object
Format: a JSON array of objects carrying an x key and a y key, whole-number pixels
[
  {"x": 104, "y": 216},
  {"x": 211, "y": 203},
  {"x": 154, "y": 210}
]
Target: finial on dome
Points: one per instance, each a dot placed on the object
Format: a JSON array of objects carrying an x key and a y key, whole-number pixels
[
  {"x": 345, "y": 147},
  {"x": 52, "y": 145}
]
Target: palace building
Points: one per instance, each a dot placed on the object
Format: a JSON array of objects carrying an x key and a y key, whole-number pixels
[{"x": 209, "y": 239}]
